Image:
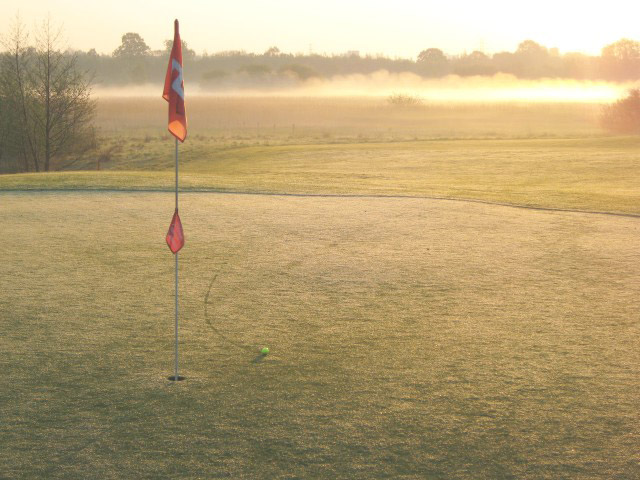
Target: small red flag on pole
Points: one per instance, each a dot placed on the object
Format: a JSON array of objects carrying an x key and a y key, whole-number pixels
[
  {"x": 174, "y": 89},
  {"x": 175, "y": 236}
]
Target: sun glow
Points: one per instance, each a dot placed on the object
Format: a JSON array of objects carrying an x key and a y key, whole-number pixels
[{"x": 401, "y": 28}]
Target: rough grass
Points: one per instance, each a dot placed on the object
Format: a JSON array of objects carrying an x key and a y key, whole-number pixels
[
  {"x": 300, "y": 119},
  {"x": 410, "y": 339}
]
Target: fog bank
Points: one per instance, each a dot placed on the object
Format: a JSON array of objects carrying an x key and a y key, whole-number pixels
[{"x": 451, "y": 89}]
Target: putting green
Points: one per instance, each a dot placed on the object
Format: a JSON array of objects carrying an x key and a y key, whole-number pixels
[{"x": 410, "y": 338}]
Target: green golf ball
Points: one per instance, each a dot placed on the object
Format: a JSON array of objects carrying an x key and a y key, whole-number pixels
[{"x": 264, "y": 351}]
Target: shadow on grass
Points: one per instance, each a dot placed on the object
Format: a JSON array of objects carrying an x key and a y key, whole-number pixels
[{"x": 258, "y": 359}]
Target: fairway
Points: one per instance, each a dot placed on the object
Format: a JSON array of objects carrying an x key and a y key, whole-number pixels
[
  {"x": 409, "y": 337},
  {"x": 585, "y": 174}
]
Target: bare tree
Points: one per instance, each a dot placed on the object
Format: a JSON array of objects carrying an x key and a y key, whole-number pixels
[
  {"x": 18, "y": 130},
  {"x": 63, "y": 106},
  {"x": 47, "y": 98}
]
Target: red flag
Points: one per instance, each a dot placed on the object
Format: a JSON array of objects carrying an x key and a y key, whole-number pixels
[
  {"x": 175, "y": 236},
  {"x": 174, "y": 89}
]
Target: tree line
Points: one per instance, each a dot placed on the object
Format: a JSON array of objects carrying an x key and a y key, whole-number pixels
[{"x": 133, "y": 62}]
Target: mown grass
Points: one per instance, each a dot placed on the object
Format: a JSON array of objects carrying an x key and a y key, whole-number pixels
[
  {"x": 600, "y": 174},
  {"x": 409, "y": 338}
]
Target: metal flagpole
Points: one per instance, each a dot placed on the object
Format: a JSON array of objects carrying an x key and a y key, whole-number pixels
[
  {"x": 176, "y": 377},
  {"x": 174, "y": 94}
]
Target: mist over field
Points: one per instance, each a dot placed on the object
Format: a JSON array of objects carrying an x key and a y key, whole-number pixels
[{"x": 450, "y": 89}]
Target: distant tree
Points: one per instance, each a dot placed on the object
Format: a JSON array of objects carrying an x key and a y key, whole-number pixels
[
  {"x": 577, "y": 65},
  {"x": 621, "y": 60},
  {"x": 132, "y": 59},
  {"x": 258, "y": 70},
  {"x": 186, "y": 51},
  {"x": 624, "y": 115},
  {"x": 214, "y": 76},
  {"x": 132, "y": 46},
  {"x": 623, "y": 49},
  {"x": 272, "y": 52},
  {"x": 532, "y": 49},
  {"x": 475, "y": 63},
  {"x": 433, "y": 62},
  {"x": 532, "y": 60},
  {"x": 505, "y": 62},
  {"x": 91, "y": 61},
  {"x": 431, "y": 55}
]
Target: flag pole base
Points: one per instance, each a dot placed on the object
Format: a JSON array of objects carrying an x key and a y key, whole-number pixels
[{"x": 173, "y": 378}]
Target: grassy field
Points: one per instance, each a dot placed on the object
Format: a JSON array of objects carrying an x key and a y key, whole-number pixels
[
  {"x": 410, "y": 338},
  {"x": 251, "y": 120}
]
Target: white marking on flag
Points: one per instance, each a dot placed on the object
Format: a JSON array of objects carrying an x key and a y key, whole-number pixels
[{"x": 177, "y": 83}]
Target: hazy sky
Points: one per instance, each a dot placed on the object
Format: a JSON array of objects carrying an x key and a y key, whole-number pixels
[{"x": 394, "y": 27}]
